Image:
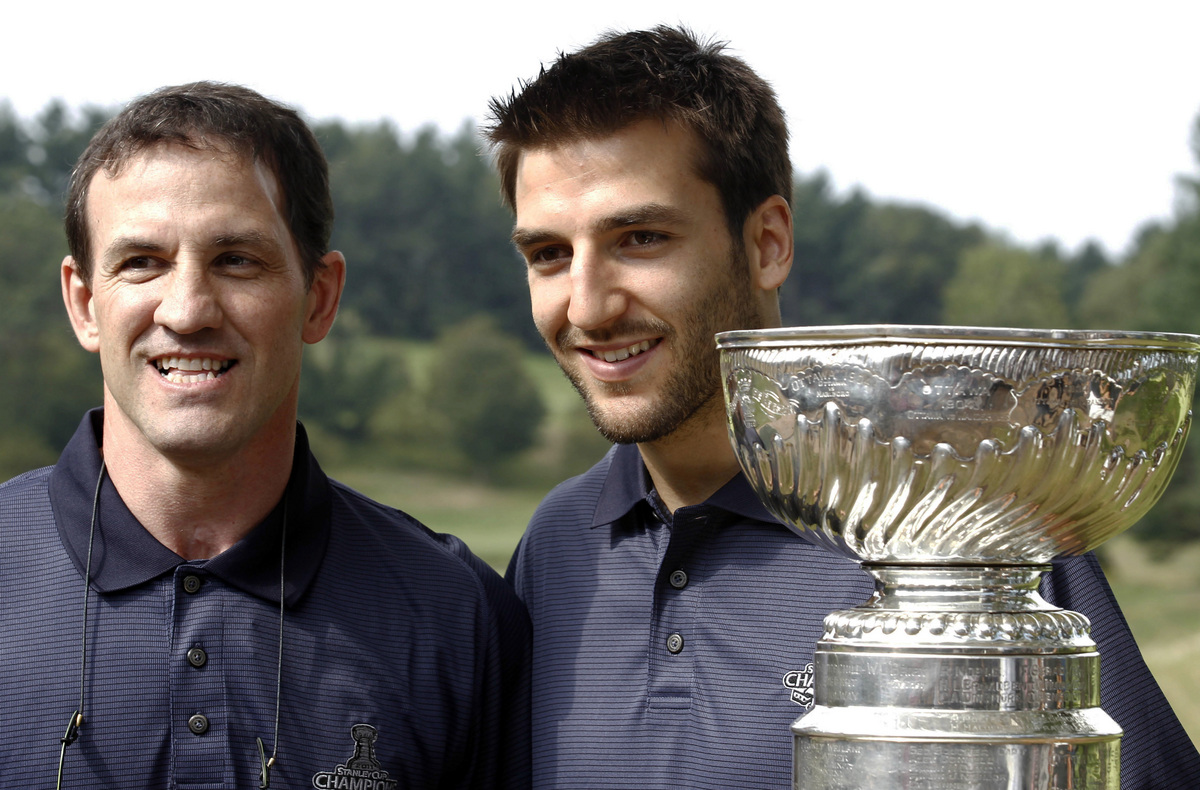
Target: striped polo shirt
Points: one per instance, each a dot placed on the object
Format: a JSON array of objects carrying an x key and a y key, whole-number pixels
[{"x": 404, "y": 661}]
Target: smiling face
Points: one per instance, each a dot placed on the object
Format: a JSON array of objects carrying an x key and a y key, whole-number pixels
[
  {"x": 631, "y": 272},
  {"x": 197, "y": 304}
]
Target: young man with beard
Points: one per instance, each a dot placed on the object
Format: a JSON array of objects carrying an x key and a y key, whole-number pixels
[
  {"x": 674, "y": 618},
  {"x": 188, "y": 601}
]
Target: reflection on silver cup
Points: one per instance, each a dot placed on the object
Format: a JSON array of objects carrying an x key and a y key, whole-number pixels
[{"x": 955, "y": 463}]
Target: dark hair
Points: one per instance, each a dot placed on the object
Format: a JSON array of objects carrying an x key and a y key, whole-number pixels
[
  {"x": 209, "y": 115},
  {"x": 667, "y": 74}
]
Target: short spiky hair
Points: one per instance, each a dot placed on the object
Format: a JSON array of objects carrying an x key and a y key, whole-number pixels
[
  {"x": 214, "y": 116},
  {"x": 667, "y": 74}
]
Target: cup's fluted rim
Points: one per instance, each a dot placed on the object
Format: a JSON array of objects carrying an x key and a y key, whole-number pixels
[{"x": 909, "y": 334}]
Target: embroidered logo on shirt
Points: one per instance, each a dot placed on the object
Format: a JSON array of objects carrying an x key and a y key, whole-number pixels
[
  {"x": 362, "y": 771},
  {"x": 800, "y": 683}
]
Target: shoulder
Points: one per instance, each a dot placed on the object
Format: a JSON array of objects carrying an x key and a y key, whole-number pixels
[
  {"x": 367, "y": 534},
  {"x": 26, "y": 497},
  {"x": 28, "y": 531},
  {"x": 560, "y": 535},
  {"x": 574, "y": 499},
  {"x": 29, "y": 483}
]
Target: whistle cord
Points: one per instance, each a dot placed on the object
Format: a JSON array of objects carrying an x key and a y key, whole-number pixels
[{"x": 77, "y": 716}]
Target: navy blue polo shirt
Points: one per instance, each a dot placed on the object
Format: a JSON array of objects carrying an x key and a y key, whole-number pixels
[
  {"x": 404, "y": 658},
  {"x": 674, "y": 650}
]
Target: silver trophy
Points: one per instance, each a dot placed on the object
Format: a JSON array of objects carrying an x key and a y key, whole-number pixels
[{"x": 954, "y": 463}]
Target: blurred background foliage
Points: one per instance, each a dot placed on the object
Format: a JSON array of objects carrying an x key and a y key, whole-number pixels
[{"x": 434, "y": 364}]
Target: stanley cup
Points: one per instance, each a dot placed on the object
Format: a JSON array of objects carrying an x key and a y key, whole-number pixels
[{"x": 954, "y": 464}]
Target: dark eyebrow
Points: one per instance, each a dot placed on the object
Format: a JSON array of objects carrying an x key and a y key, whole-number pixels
[
  {"x": 522, "y": 237},
  {"x": 646, "y": 214},
  {"x": 125, "y": 244},
  {"x": 252, "y": 239}
]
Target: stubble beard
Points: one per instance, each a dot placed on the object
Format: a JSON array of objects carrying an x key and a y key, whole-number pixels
[{"x": 693, "y": 385}]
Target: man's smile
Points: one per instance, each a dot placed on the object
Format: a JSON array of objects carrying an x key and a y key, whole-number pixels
[
  {"x": 185, "y": 370},
  {"x": 619, "y": 354}
]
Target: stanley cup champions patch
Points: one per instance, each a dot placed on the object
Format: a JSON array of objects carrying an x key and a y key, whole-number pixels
[
  {"x": 362, "y": 771},
  {"x": 800, "y": 683}
]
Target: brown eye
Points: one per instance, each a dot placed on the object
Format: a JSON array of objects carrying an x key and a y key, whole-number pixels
[
  {"x": 549, "y": 255},
  {"x": 642, "y": 238},
  {"x": 138, "y": 268}
]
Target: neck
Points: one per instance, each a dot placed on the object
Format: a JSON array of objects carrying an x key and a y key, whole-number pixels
[
  {"x": 694, "y": 461},
  {"x": 198, "y": 509}
]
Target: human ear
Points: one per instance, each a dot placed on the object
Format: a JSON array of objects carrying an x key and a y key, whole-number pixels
[
  {"x": 77, "y": 297},
  {"x": 769, "y": 243},
  {"x": 324, "y": 297}
]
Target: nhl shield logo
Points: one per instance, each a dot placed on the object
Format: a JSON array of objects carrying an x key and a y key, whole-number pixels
[{"x": 800, "y": 683}]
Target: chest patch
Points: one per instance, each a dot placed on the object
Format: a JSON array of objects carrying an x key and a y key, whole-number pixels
[
  {"x": 362, "y": 771},
  {"x": 800, "y": 683}
]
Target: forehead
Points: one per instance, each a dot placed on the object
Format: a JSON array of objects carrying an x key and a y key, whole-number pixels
[
  {"x": 169, "y": 172},
  {"x": 649, "y": 161},
  {"x": 169, "y": 197}
]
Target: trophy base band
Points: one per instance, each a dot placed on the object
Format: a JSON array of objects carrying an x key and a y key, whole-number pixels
[{"x": 828, "y": 762}]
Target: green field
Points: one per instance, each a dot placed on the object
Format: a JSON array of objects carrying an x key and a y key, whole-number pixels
[{"x": 1161, "y": 599}]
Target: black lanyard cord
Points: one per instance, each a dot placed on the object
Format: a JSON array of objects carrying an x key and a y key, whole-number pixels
[
  {"x": 77, "y": 716},
  {"x": 265, "y": 764}
]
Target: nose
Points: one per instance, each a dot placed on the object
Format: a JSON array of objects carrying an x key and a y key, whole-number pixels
[
  {"x": 189, "y": 301},
  {"x": 598, "y": 295}
]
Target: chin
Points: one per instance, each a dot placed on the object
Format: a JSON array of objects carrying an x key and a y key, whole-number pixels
[{"x": 632, "y": 426}]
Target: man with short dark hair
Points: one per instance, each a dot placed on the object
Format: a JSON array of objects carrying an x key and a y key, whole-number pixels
[
  {"x": 188, "y": 600},
  {"x": 674, "y": 618}
]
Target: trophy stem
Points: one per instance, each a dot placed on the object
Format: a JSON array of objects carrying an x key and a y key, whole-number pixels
[{"x": 956, "y": 676}]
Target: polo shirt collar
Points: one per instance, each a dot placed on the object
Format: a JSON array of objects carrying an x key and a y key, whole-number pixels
[
  {"x": 125, "y": 555},
  {"x": 627, "y": 483}
]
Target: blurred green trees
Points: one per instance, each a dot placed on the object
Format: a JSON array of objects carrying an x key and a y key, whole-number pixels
[
  {"x": 996, "y": 284},
  {"x": 428, "y": 364},
  {"x": 480, "y": 395}
]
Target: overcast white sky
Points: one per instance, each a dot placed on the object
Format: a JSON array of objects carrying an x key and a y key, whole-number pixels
[{"x": 1042, "y": 119}]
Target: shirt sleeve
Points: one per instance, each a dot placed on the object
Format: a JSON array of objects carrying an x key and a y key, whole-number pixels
[
  {"x": 1156, "y": 752},
  {"x": 503, "y": 718}
]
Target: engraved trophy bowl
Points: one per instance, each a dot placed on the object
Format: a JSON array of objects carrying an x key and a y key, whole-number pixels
[{"x": 955, "y": 463}]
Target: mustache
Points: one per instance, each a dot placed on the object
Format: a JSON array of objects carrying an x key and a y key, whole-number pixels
[{"x": 572, "y": 336}]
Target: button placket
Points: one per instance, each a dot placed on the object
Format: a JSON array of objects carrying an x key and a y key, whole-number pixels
[
  {"x": 199, "y": 697},
  {"x": 677, "y": 596}
]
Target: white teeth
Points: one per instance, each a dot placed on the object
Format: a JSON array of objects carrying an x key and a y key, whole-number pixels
[
  {"x": 624, "y": 353},
  {"x": 177, "y": 377},
  {"x": 182, "y": 370}
]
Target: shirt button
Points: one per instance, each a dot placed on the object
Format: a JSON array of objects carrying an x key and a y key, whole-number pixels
[
  {"x": 197, "y": 657},
  {"x": 198, "y": 724},
  {"x": 679, "y": 580},
  {"x": 674, "y": 643},
  {"x": 191, "y": 584}
]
